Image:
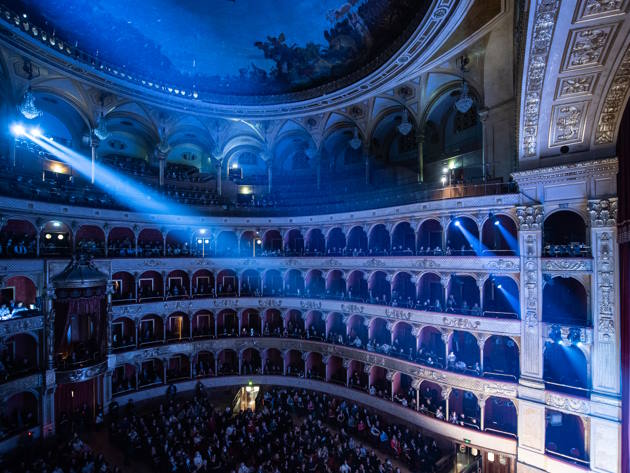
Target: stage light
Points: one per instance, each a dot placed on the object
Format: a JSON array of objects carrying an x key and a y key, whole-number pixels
[
  {"x": 18, "y": 130},
  {"x": 497, "y": 223},
  {"x": 444, "y": 170},
  {"x": 443, "y": 179},
  {"x": 36, "y": 131},
  {"x": 234, "y": 166},
  {"x": 499, "y": 286},
  {"x": 259, "y": 241},
  {"x": 206, "y": 241},
  {"x": 458, "y": 223},
  {"x": 199, "y": 241},
  {"x": 202, "y": 231},
  {"x": 48, "y": 236},
  {"x": 60, "y": 237}
]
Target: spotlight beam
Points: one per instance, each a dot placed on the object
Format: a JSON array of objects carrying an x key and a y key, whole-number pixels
[{"x": 124, "y": 190}]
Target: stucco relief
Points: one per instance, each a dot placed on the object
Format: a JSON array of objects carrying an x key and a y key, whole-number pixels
[
  {"x": 30, "y": 324},
  {"x": 567, "y": 123},
  {"x": 567, "y": 403},
  {"x": 589, "y": 9},
  {"x": 587, "y": 47},
  {"x": 576, "y": 86},
  {"x": 561, "y": 264}
]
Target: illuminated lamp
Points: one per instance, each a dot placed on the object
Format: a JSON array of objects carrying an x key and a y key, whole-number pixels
[
  {"x": 258, "y": 241},
  {"x": 56, "y": 224},
  {"x": 48, "y": 236},
  {"x": 355, "y": 142},
  {"x": 199, "y": 241},
  {"x": 443, "y": 179},
  {"x": 497, "y": 223},
  {"x": 60, "y": 237},
  {"x": 499, "y": 286},
  {"x": 36, "y": 132},
  {"x": 444, "y": 170},
  {"x": 458, "y": 223},
  {"x": 234, "y": 165},
  {"x": 18, "y": 130},
  {"x": 202, "y": 231},
  {"x": 206, "y": 241}
]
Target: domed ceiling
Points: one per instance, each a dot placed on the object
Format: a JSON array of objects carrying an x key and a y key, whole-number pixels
[{"x": 261, "y": 48}]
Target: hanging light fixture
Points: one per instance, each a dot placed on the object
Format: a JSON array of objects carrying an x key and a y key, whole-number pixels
[
  {"x": 405, "y": 127},
  {"x": 464, "y": 103},
  {"x": 27, "y": 106},
  {"x": 355, "y": 142},
  {"x": 101, "y": 131}
]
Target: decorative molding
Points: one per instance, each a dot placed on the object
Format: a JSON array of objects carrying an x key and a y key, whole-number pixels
[
  {"x": 567, "y": 403},
  {"x": 28, "y": 324},
  {"x": 567, "y": 123},
  {"x": 530, "y": 217},
  {"x": 613, "y": 103},
  {"x": 566, "y": 264},
  {"x": 569, "y": 87},
  {"x": 590, "y": 9},
  {"x": 603, "y": 212},
  {"x": 461, "y": 323},
  {"x": 544, "y": 22},
  {"x": 565, "y": 172},
  {"x": 588, "y": 47},
  {"x": 81, "y": 374},
  {"x": 30, "y": 383}
]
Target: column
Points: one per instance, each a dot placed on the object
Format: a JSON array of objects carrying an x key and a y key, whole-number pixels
[
  {"x": 481, "y": 402},
  {"x": 50, "y": 326},
  {"x": 161, "y": 155},
  {"x": 445, "y": 280},
  {"x": 445, "y": 338},
  {"x": 164, "y": 326},
  {"x": 446, "y": 394},
  {"x": 318, "y": 163},
  {"x": 110, "y": 291},
  {"x": 48, "y": 405},
  {"x": 137, "y": 323},
  {"x": 481, "y": 342},
  {"x": 240, "y": 362},
  {"x": 269, "y": 176},
  {"x": 94, "y": 143},
  {"x": 483, "y": 116},
  {"x": 420, "y": 142},
  {"x": 164, "y": 365},
  {"x": 480, "y": 283},
  {"x": 216, "y": 363},
  {"x": 219, "y": 169},
  {"x": 366, "y": 159}
]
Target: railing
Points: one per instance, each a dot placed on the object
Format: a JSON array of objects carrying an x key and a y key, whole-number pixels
[
  {"x": 567, "y": 388},
  {"x": 568, "y": 458},
  {"x": 500, "y": 432}
]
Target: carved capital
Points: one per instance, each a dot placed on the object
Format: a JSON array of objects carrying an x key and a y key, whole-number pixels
[
  {"x": 530, "y": 217},
  {"x": 603, "y": 212}
]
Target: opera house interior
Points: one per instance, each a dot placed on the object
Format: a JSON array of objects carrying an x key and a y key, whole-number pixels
[{"x": 277, "y": 236}]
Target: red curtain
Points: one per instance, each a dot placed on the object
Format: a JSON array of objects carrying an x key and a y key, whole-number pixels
[
  {"x": 623, "y": 190},
  {"x": 64, "y": 308}
]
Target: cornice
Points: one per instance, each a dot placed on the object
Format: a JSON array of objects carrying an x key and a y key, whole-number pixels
[
  {"x": 21, "y": 325},
  {"x": 443, "y": 321},
  {"x": 565, "y": 172},
  {"x": 479, "y": 386},
  {"x": 30, "y": 383}
]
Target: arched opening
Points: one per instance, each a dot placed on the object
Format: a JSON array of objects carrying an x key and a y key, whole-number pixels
[
  {"x": 177, "y": 285},
  {"x": 18, "y": 293},
  {"x": 204, "y": 365},
  {"x": 203, "y": 283},
  {"x": 403, "y": 290},
  {"x": 315, "y": 326},
  {"x": 431, "y": 351},
  {"x": 357, "y": 242},
  {"x": 18, "y": 239},
  {"x": 150, "y": 286},
  {"x": 293, "y": 243},
  {"x": 177, "y": 327},
  {"x": 273, "y": 363},
  {"x": 357, "y": 286},
  {"x": 379, "y": 240},
  {"x": 150, "y": 330},
  {"x": 335, "y": 328},
  {"x": 429, "y": 240},
  {"x": 226, "y": 245},
  {"x": 403, "y": 240},
  {"x": 19, "y": 356},
  {"x": 357, "y": 331},
  {"x": 379, "y": 384},
  {"x": 19, "y": 413},
  {"x": 463, "y": 296},
  {"x": 335, "y": 285},
  {"x": 404, "y": 343},
  {"x": 403, "y": 390},
  {"x": 203, "y": 324},
  {"x": 251, "y": 362},
  {"x": 315, "y": 243},
  {"x": 124, "y": 379},
  {"x": 294, "y": 364},
  {"x": 248, "y": 240},
  {"x": 227, "y": 361},
  {"x": 178, "y": 243},
  {"x": 500, "y": 298},
  {"x": 565, "y": 302},
  {"x": 271, "y": 243},
  {"x": 294, "y": 283},
  {"x": 499, "y": 236},
  {"x": 379, "y": 288},
  {"x": 272, "y": 286},
  {"x": 564, "y": 234},
  {"x": 315, "y": 284},
  {"x": 177, "y": 368},
  {"x": 273, "y": 323},
  {"x": 151, "y": 373},
  {"x": 500, "y": 416},
  {"x": 463, "y": 353},
  {"x": 121, "y": 242},
  {"x": 357, "y": 378},
  {"x": 566, "y": 437},
  {"x": 250, "y": 283},
  {"x": 123, "y": 333},
  {"x": 227, "y": 283},
  {"x": 316, "y": 368},
  {"x": 227, "y": 323},
  {"x": 250, "y": 323},
  {"x": 501, "y": 358},
  {"x": 380, "y": 338},
  {"x": 90, "y": 240},
  {"x": 565, "y": 368},
  {"x": 431, "y": 401},
  {"x": 294, "y": 324},
  {"x": 124, "y": 286},
  {"x": 150, "y": 243},
  {"x": 462, "y": 237},
  {"x": 336, "y": 242},
  {"x": 464, "y": 409},
  {"x": 55, "y": 239},
  {"x": 430, "y": 293}
]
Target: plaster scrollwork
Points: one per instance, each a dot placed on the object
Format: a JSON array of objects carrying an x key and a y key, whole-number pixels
[
  {"x": 375, "y": 263},
  {"x": 587, "y": 46},
  {"x": 270, "y": 303},
  {"x": 398, "y": 314},
  {"x": 498, "y": 389},
  {"x": 613, "y": 103},
  {"x": 575, "y": 86},
  {"x": 595, "y": 8},
  {"x": 352, "y": 308},
  {"x": 460, "y": 323},
  {"x": 603, "y": 212},
  {"x": 544, "y": 22},
  {"x": 578, "y": 406},
  {"x": 425, "y": 264},
  {"x": 605, "y": 277},
  {"x": 560, "y": 264},
  {"x": 530, "y": 217},
  {"x": 30, "y": 324},
  {"x": 502, "y": 264},
  {"x": 567, "y": 123},
  {"x": 310, "y": 305}
]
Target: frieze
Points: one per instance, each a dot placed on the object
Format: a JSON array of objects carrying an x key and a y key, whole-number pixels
[
  {"x": 270, "y": 303},
  {"x": 502, "y": 265},
  {"x": 375, "y": 263},
  {"x": 576, "y": 86},
  {"x": 81, "y": 374},
  {"x": 27, "y": 383},
  {"x": 562, "y": 264},
  {"x": 461, "y": 323},
  {"x": 613, "y": 103},
  {"x": 227, "y": 303},
  {"x": 425, "y": 264},
  {"x": 18, "y": 325},
  {"x": 571, "y": 404},
  {"x": 310, "y": 305},
  {"x": 398, "y": 314},
  {"x": 603, "y": 212},
  {"x": 352, "y": 308}
]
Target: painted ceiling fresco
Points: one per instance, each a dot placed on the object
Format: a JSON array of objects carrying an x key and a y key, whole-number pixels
[{"x": 233, "y": 47}]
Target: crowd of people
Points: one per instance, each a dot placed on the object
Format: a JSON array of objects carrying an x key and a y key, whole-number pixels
[{"x": 289, "y": 431}]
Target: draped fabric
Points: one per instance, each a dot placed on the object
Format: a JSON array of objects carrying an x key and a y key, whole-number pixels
[
  {"x": 623, "y": 216},
  {"x": 66, "y": 308}
]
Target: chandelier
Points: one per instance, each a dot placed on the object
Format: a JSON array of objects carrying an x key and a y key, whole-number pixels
[
  {"x": 464, "y": 102},
  {"x": 355, "y": 142},
  {"x": 405, "y": 127},
  {"x": 27, "y": 107},
  {"x": 101, "y": 131}
]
